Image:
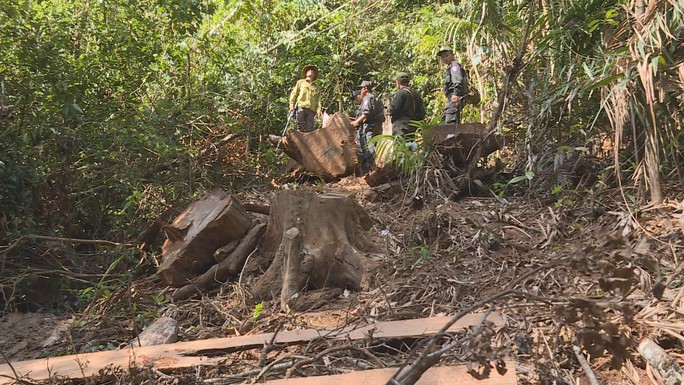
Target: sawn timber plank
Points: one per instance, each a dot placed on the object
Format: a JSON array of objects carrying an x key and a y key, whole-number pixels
[{"x": 212, "y": 351}]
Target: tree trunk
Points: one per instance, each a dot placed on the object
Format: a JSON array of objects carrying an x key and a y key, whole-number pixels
[
  {"x": 329, "y": 152},
  {"x": 194, "y": 236},
  {"x": 311, "y": 241}
]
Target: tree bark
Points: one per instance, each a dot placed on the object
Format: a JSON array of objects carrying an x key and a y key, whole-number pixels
[
  {"x": 312, "y": 241},
  {"x": 329, "y": 152},
  {"x": 229, "y": 267},
  {"x": 194, "y": 236}
]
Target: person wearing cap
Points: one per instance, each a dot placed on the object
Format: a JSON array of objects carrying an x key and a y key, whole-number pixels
[
  {"x": 406, "y": 105},
  {"x": 305, "y": 99},
  {"x": 369, "y": 118},
  {"x": 453, "y": 86}
]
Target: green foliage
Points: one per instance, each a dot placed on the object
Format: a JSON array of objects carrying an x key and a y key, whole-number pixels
[
  {"x": 258, "y": 309},
  {"x": 498, "y": 189}
]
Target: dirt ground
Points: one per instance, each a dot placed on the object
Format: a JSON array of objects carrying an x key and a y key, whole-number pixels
[{"x": 581, "y": 271}]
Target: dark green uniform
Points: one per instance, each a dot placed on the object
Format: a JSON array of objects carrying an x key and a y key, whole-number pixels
[{"x": 406, "y": 105}]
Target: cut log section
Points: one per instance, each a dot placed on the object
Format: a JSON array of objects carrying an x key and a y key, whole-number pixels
[
  {"x": 460, "y": 141},
  {"x": 207, "y": 224},
  {"x": 230, "y": 267},
  {"x": 311, "y": 241},
  {"x": 213, "y": 351},
  {"x": 329, "y": 152}
]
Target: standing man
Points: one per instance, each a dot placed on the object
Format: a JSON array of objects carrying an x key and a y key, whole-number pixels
[
  {"x": 305, "y": 99},
  {"x": 369, "y": 118},
  {"x": 454, "y": 86},
  {"x": 406, "y": 105}
]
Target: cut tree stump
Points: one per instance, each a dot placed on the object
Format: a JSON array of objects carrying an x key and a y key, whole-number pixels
[
  {"x": 207, "y": 224},
  {"x": 329, "y": 152},
  {"x": 459, "y": 141},
  {"x": 230, "y": 267},
  {"x": 312, "y": 240}
]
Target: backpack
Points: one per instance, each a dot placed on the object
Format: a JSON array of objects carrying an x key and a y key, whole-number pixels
[
  {"x": 377, "y": 110},
  {"x": 464, "y": 83}
]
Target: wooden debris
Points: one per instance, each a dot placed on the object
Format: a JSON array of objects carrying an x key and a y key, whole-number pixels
[
  {"x": 384, "y": 173},
  {"x": 314, "y": 240},
  {"x": 459, "y": 141},
  {"x": 329, "y": 152},
  {"x": 213, "y": 351},
  {"x": 230, "y": 267},
  {"x": 445, "y": 375},
  {"x": 224, "y": 251},
  {"x": 163, "y": 330},
  {"x": 150, "y": 234},
  {"x": 666, "y": 365},
  {"x": 207, "y": 224},
  {"x": 257, "y": 208}
]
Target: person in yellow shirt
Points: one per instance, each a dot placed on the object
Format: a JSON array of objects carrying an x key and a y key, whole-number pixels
[{"x": 305, "y": 99}]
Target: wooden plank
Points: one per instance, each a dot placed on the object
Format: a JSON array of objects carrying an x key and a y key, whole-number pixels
[
  {"x": 212, "y": 351},
  {"x": 443, "y": 375}
]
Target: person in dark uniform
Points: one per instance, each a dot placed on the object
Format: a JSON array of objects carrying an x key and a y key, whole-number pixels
[
  {"x": 305, "y": 99},
  {"x": 453, "y": 86},
  {"x": 368, "y": 121},
  {"x": 406, "y": 105}
]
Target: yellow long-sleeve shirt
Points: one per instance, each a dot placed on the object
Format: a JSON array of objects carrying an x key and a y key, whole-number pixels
[{"x": 306, "y": 94}]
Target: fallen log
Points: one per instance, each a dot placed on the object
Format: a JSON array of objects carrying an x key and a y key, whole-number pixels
[
  {"x": 228, "y": 268},
  {"x": 312, "y": 241},
  {"x": 207, "y": 224},
  {"x": 213, "y": 351},
  {"x": 460, "y": 141},
  {"x": 329, "y": 152}
]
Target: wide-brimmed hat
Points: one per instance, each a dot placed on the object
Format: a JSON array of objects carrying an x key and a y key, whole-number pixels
[
  {"x": 364, "y": 83},
  {"x": 444, "y": 49},
  {"x": 310, "y": 67}
]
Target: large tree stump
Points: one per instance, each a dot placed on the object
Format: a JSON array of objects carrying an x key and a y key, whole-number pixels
[
  {"x": 459, "y": 141},
  {"x": 207, "y": 224},
  {"x": 329, "y": 152},
  {"x": 311, "y": 241}
]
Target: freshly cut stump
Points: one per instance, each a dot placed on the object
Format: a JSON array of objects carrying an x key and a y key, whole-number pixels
[{"x": 312, "y": 241}]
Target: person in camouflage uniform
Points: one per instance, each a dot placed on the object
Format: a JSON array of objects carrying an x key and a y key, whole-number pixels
[
  {"x": 369, "y": 118},
  {"x": 305, "y": 99},
  {"x": 406, "y": 105},
  {"x": 453, "y": 86}
]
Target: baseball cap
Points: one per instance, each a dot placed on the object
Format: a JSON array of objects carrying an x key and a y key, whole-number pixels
[
  {"x": 444, "y": 49},
  {"x": 403, "y": 76},
  {"x": 364, "y": 83}
]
